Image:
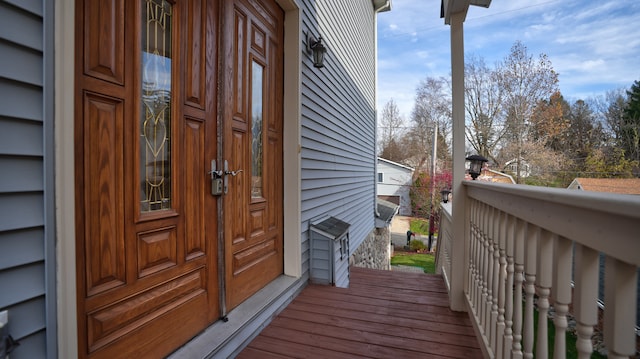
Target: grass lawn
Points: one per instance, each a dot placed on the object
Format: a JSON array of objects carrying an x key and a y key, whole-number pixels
[
  {"x": 570, "y": 340},
  {"x": 419, "y": 226},
  {"x": 422, "y": 260}
]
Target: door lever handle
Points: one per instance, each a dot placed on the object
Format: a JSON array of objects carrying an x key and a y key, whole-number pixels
[
  {"x": 227, "y": 172},
  {"x": 233, "y": 173}
]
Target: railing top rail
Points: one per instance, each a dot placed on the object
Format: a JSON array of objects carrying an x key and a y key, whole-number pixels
[{"x": 609, "y": 223}]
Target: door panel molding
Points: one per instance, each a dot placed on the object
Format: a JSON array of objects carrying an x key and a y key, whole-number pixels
[
  {"x": 147, "y": 274},
  {"x": 253, "y": 206}
]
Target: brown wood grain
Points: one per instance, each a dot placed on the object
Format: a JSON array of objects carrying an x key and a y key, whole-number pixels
[
  {"x": 252, "y": 225},
  {"x": 147, "y": 281}
]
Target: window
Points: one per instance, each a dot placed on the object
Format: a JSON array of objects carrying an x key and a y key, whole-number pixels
[
  {"x": 380, "y": 177},
  {"x": 155, "y": 122}
]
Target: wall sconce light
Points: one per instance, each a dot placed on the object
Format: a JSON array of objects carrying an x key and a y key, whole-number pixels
[
  {"x": 475, "y": 165},
  {"x": 445, "y": 195},
  {"x": 318, "y": 50}
]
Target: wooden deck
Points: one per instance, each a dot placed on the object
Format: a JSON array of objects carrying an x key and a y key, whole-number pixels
[{"x": 383, "y": 314}]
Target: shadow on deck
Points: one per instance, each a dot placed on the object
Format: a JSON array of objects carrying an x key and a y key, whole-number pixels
[{"x": 383, "y": 314}]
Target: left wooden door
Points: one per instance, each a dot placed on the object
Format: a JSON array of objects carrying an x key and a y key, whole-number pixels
[{"x": 145, "y": 135}]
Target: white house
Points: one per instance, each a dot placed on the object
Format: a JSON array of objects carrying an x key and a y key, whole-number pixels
[
  {"x": 161, "y": 162},
  {"x": 511, "y": 166},
  {"x": 394, "y": 183}
]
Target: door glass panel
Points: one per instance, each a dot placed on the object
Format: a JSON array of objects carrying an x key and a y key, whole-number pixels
[
  {"x": 256, "y": 130},
  {"x": 155, "y": 121}
]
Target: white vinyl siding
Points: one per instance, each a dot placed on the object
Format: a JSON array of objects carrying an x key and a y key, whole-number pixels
[
  {"x": 397, "y": 183},
  {"x": 338, "y": 119},
  {"x": 27, "y": 270}
]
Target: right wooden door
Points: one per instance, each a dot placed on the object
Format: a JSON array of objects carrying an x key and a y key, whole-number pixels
[{"x": 252, "y": 145}]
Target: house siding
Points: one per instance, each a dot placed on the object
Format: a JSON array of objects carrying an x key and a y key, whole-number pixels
[
  {"x": 396, "y": 182},
  {"x": 338, "y": 119},
  {"x": 27, "y": 269}
]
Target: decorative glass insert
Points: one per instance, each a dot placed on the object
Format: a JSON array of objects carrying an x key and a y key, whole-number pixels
[
  {"x": 256, "y": 130},
  {"x": 155, "y": 121}
]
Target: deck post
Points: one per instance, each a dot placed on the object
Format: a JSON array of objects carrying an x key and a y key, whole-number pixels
[{"x": 460, "y": 211}]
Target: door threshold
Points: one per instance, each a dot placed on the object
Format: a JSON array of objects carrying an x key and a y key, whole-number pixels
[{"x": 226, "y": 339}]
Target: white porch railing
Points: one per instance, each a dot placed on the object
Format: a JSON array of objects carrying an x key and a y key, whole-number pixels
[{"x": 519, "y": 251}]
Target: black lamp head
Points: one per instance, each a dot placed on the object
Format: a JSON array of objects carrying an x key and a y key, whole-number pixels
[{"x": 475, "y": 165}]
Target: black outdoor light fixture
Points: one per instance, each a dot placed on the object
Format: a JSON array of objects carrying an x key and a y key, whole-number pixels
[
  {"x": 445, "y": 194},
  {"x": 475, "y": 165},
  {"x": 318, "y": 50}
]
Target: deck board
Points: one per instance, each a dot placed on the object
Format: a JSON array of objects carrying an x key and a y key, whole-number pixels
[{"x": 382, "y": 314}]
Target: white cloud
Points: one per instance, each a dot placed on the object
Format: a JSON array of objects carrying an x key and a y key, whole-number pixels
[{"x": 593, "y": 44}]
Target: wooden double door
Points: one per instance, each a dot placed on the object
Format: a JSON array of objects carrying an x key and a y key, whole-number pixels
[{"x": 166, "y": 244}]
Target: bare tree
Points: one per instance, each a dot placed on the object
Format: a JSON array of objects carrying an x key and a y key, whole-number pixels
[
  {"x": 484, "y": 102},
  {"x": 432, "y": 107},
  {"x": 525, "y": 81},
  {"x": 610, "y": 111},
  {"x": 391, "y": 125}
]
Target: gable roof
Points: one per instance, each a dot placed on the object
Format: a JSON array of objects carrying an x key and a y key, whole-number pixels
[
  {"x": 396, "y": 164},
  {"x": 608, "y": 185}
]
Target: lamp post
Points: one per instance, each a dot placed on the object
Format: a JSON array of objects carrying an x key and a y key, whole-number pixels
[{"x": 475, "y": 165}]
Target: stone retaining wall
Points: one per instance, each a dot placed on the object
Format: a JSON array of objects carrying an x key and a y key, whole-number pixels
[{"x": 374, "y": 252}]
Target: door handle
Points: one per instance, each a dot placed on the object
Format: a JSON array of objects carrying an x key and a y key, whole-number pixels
[
  {"x": 227, "y": 172},
  {"x": 219, "y": 183},
  {"x": 233, "y": 173}
]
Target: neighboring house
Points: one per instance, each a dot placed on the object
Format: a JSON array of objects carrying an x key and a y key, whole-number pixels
[
  {"x": 394, "y": 183},
  {"x": 512, "y": 167},
  {"x": 609, "y": 185},
  {"x": 161, "y": 162},
  {"x": 490, "y": 175}
]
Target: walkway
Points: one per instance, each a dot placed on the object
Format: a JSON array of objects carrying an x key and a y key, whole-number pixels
[{"x": 383, "y": 314}]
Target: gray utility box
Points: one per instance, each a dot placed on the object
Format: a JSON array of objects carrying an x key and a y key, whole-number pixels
[{"x": 330, "y": 252}]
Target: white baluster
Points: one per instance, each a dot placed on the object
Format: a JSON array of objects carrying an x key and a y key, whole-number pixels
[
  {"x": 518, "y": 250},
  {"x": 508, "y": 310},
  {"x": 585, "y": 297},
  {"x": 489, "y": 273},
  {"x": 531, "y": 244},
  {"x": 502, "y": 282},
  {"x": 561, "y": 293},
  {"x": 473, "y": 283},
  {"x": 485, "y": 270},
  {"x": 478, "y": 266},
  {"x": 620, "y": 295},
  {"x": 495, "y": 281},
  {"x": 544, "y": 280}
]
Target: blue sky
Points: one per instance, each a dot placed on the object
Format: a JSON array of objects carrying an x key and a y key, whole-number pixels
[{"x": 593, "y": 45}]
